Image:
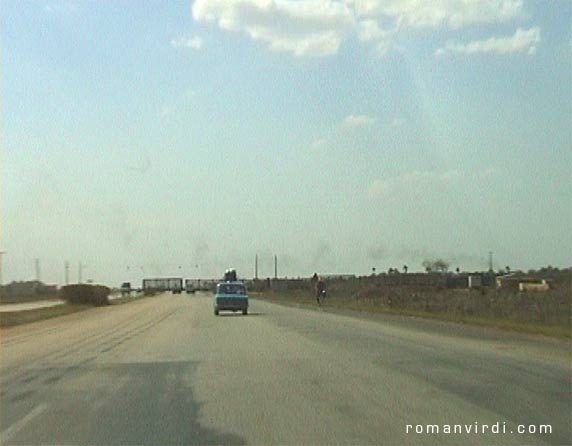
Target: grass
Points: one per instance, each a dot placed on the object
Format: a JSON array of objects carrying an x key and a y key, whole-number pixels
[
  {"x": 301, "y": 297},
  {"x": 12, "y": 319}
]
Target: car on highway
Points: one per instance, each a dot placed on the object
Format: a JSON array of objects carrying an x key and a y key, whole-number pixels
[{"x": 231, "y": 296}]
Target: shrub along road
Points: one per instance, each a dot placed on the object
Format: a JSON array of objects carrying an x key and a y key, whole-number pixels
[{"x": 165, "y": 370}]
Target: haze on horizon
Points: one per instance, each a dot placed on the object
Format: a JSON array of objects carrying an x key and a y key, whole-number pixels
[{"x": 183, "y": 138}]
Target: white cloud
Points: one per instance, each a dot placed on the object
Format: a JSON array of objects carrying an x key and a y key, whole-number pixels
[
  {"x": 523, "y": 40},
  {"x": 303, "y": 27},
  {"x": 382, "y": 20},
  {"x": 318, "y": 27},
  {"x": 369, "y": 30},
  {"x": 453, "y": 14},
  {"x": 354, "y": 121},
  {"x": 414, "y": 182},
  {"x": 398, "y": 122},
  {"x": 196, "y": 43}
]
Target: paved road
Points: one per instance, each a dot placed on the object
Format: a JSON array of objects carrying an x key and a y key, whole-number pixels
[
  {"x": 27, "y": 306},
  {"x": 164, "y": 371},
  {"x": 39, "y": 304}
]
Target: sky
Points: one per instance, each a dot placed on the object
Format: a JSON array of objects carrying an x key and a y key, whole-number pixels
[{"x": 150, "y": 138}]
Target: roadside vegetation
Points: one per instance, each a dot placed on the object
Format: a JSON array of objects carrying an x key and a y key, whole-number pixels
[
  {"x": 96, "y": 295},
  {"x": 28, "y": 291},
  {"x": 547, "y": 313}
]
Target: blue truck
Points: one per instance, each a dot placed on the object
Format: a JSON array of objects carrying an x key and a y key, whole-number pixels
[{"x": 230, "y": 296}]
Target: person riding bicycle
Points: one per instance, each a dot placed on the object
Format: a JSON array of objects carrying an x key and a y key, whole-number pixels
[{"x": 320, "y": 289}]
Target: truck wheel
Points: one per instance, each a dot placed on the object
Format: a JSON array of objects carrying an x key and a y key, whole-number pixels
[
  {"x": 216, "y": 312},
  {"x": 244, "y": 312}
]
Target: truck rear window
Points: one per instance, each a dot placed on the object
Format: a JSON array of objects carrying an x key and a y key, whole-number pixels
[{"x": 231, "y": 289}]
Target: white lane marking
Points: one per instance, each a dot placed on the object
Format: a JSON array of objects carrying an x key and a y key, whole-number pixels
[{"x": 19, "y": 425}]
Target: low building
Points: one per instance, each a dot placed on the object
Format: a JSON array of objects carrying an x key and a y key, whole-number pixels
[
  {"x": 517, "y": 282},
  {"x": 534, "y": 286}
]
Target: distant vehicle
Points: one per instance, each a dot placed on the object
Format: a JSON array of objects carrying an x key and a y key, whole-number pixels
[
  {"x": 189, "y": 286},
  {"x": 231, "y": 296},
  {"x": 126, "y": 288},
  {"x": 173, "y": 284}
]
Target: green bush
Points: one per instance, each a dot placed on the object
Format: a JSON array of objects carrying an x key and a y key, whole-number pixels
[{"x": 96, "y": 295}]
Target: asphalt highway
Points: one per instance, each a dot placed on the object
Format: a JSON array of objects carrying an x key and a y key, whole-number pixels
[{"x": 166, "y": 371}]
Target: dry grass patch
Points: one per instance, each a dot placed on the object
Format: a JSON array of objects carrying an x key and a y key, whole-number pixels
[{"x": 559, "y": 329}]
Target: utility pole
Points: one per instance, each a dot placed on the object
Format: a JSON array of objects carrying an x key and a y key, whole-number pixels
[
  {"x": 276, "y": 267},
  {"x": 79, "y": 271},
  {"x": 256, "y": 267},
  {"x": 490, "y": 261},
  {"x": 1, "y": 257},
  {"x": 67, "y": 272},
  {"x": 37, "y": 270}
]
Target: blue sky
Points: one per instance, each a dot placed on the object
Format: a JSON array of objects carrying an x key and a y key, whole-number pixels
[{"x": 181, "y": 138}]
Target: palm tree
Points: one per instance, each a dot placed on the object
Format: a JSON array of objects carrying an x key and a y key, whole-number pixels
[{"x": 405, "y": 269}]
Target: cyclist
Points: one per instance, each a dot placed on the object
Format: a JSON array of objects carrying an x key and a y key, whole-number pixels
[{"x": 320, "y": 289}]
